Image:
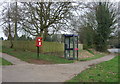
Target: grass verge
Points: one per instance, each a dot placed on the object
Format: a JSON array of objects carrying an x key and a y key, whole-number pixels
[
  {"x": 103, "y": 72},
  {"x": 4, "y": 62},
  {"x": 0, "y": 48},
  {"x": 27, "y": 55}
]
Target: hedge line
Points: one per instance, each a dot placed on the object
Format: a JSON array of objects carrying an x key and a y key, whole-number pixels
[{"x": 30, "y": 46}]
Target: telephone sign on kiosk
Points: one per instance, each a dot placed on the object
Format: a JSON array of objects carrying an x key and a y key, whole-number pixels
[{"x": 39, "y": 41}]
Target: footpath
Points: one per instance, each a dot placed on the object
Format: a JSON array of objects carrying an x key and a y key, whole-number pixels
[{"x": 22, "y": 71}]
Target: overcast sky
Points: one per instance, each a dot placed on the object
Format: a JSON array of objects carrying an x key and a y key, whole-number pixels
[
  {"x": 1, "y": 31},
  {"x": 1, "y": 1}
]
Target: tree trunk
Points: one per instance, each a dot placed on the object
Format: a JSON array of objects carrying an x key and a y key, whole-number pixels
[
  {"x": 41, "y": 33},
  {"x": 10, "y": 37},
  {"x": 45, "y": 34},
  {"x": 16, "y": 36}
]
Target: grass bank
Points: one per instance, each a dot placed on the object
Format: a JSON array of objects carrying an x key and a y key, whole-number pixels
[
  {"x": 96, "y": 56},
  {"x": 86, "y": 55},
  {"x": 103, "y": 72},
  {"x": 4, "y": 62}
]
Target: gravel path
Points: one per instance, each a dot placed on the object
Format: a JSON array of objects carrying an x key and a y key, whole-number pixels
[{"x": 24, "y": 72}]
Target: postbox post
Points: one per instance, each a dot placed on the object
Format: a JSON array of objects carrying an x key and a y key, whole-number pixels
[{"x": 37, "y": 52}]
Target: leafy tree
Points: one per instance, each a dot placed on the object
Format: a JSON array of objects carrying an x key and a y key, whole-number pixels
[
  {"x": 87, "y": 36},
  {"x": 87, "y": 29},
  {"x": 105, "y": 19}
]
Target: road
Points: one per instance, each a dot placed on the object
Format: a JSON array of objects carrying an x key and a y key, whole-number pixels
[{"x": 114, "y": 50}]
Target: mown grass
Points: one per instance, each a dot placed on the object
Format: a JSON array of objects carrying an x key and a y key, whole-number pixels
[
  {"x": 27, "y": 55},
  {"x": 103, "y": 72},
  {"x": 0, "y": 48},
  {"x": 4, "y": 62}
]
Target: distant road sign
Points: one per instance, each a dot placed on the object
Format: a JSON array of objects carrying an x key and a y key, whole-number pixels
[{"x": 39, "y": 41}]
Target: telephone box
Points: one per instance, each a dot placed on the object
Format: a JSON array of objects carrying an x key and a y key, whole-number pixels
[
  {"x": 71, "y": 46},
  {"x": 39, "y": 41}
]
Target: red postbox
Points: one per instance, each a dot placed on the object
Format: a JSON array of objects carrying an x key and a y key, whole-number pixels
[{"x": 39, "y": 41}]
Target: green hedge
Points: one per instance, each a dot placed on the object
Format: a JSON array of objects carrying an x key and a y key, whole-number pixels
[{"x": 30, "y": 46}]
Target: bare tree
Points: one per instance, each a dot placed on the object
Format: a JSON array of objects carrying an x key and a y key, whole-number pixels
[
  {"x": 16, "y": 18},
  {"x": 6, "y": 19},
  {"x": 40, "y": 16}
]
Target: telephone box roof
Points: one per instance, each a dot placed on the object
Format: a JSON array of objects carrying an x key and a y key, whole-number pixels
[{"x": 70, "y": 35}]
